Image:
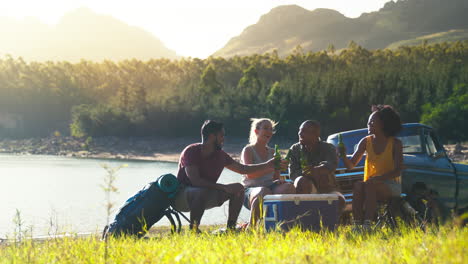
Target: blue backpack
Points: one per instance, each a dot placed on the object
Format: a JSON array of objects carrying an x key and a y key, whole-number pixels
[{"x": 145, "y": 208}]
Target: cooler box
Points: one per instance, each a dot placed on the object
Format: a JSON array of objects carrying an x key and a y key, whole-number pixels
[{"x": 309, "y": 211}]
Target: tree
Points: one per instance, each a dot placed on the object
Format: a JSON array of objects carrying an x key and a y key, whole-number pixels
[
  {"x": 210, "y": 92},
  {"x": 133, "y": 97},
  {"x": 450, "y": 117}
]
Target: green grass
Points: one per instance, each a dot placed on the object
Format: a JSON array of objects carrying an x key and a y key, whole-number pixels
[{"x": 445, "y": 245}]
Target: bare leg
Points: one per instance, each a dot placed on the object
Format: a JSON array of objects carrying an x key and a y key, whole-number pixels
[
  {"x": 256, "y": 197},
  {"x": 341, "y": 202},
  {"x": 284, "y": 188},
  {"x": 235, "y": 205},
  {"x": 375, "y": 191},
  {"x": 358, "y": 201},
  {"x": 197, "y": 199},
  {"x": 303, "y": 185}
]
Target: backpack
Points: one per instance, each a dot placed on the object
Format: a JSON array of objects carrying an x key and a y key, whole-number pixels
[{"x": 145, "y": 208}]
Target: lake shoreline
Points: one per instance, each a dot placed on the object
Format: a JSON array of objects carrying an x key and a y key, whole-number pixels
[
  {"x": 134, "y": 149},
  {"x": 166, "y": 149}
]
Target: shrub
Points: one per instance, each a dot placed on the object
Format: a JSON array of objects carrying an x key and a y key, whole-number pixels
[{"x": 449, "y": 117}]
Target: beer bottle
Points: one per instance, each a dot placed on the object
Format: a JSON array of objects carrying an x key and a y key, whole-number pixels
[
  {"x": 303, "y": 161},
  {"x": 277, "y": 158},
  {"x": 288, "y": 155},
  {"x": 285, "y": 174},
  {"x": 341, "y": 145}
]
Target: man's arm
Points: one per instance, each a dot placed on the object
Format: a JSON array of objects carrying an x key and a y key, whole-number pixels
[
  {"x": 250, "y": 168},
  {"x": 331, "y": 159},
  {"x": 295, "y": 163},
  {"x": 247, "y": 158},
  {"x": 328, "y": 165},
  {"x": 194, "y": 176}
]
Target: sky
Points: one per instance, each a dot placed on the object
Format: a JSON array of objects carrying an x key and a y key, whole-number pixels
[{"x": 192, "y": 28}]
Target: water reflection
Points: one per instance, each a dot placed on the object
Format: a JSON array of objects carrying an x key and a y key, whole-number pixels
[{"x": 67, "y": 190}]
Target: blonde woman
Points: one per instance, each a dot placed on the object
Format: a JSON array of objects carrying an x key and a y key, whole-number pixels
[{"x": 264, "y": 182}]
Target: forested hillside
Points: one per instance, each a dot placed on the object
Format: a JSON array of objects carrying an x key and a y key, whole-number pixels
[{"x": 164, "y": 97}]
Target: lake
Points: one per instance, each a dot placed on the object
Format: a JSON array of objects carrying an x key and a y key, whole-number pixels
[{"x": 51, "y": 191}]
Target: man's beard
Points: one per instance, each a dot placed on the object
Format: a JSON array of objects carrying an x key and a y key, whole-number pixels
[{"x": 218, "y": 146}]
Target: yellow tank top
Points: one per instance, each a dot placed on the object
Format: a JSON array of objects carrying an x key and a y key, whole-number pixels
[{"x": 378, "y": 164}]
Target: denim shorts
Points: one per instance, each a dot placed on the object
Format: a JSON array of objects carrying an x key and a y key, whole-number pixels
[
  {"x": 248, "y": 190},
  {"x": 394, "y": 186},
  {"x": 216, "y": 198}
]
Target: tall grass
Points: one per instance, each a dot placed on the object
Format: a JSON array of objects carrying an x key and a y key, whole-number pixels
[
  {"x": 443, "y": 245},
  {"x": 109, "y": 188}
]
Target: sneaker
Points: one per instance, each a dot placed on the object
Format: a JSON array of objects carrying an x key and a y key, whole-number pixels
[
  {"x": 220, "y": 231},
  {"x": 242, "y": 227},
  {"x": 224, "y": 231}
]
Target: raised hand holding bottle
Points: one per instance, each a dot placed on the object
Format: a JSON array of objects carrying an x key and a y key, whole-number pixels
[
  {"x": 277, "y": 158},
  {"x": 341, "y": 146}
]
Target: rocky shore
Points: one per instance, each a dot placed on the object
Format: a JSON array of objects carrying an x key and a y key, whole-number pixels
[
  {"x": 457, "y": 152},
  {"x": 157, "y": 149},
  {"x": 154, "y": 148}
]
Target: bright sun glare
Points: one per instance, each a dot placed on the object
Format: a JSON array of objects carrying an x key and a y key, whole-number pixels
[{"x": 191, "y": 28}]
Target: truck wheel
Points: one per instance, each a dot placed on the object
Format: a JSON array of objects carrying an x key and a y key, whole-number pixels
[{"x": 413, "y": 217}]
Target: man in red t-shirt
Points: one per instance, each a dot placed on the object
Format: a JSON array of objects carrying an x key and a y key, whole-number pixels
[{"x": 200, "y": 166}]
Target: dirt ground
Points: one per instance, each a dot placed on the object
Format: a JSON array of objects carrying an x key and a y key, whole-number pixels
[{"x": 457, "y": 154}]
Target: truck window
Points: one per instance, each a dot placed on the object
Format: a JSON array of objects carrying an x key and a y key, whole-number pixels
[
  {"x": 411, "y": 143},
  {"x": 439, "y": 147},
  {"x": 432, "y": 143},
  {"x": 411, "y": 140}
]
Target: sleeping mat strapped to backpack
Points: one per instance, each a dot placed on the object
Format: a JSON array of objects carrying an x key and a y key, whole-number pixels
[{"x": 145, "y": 208}]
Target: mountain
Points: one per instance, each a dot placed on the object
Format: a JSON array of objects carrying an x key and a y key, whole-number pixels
[
  {"x": 80, "y": 34},
  {"x": 446, "y": 36},
  {"x": 286, "y": 27}
]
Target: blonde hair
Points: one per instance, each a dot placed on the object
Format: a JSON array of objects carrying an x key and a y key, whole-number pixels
[{"x": 256, "y": 124}]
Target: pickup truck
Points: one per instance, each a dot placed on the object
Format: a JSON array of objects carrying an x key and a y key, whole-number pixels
[{"x": 432, "y": 183}]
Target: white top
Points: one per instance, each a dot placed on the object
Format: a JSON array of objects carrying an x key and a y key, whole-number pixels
[
  {"x": 265, "y": 180},
  {"x": 300, "y": 197}
]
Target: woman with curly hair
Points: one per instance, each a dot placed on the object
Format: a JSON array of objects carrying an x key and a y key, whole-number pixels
[{"x": 383, "y": 165}]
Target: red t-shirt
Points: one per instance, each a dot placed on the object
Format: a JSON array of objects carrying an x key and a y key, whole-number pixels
[{"x": 210, "y": 168}]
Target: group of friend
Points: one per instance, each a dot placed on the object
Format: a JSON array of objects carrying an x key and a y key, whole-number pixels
[{"x": 201, "y": 164}]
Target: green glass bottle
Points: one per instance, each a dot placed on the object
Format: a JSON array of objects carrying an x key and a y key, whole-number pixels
[
  {"x": 303, "y": 161},
  {"x": 286, "y": 172},
  {"x": 288, "y": 155},
  {"x": 341, "y": 145},
  {"x": 277, "y": 158}
]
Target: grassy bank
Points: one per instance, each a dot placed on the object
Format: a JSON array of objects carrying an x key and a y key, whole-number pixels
[{"x": 445, "y": 245}]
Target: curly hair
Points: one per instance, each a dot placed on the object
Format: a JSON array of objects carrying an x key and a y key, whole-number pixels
[{"x": 391, "y": 122}]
